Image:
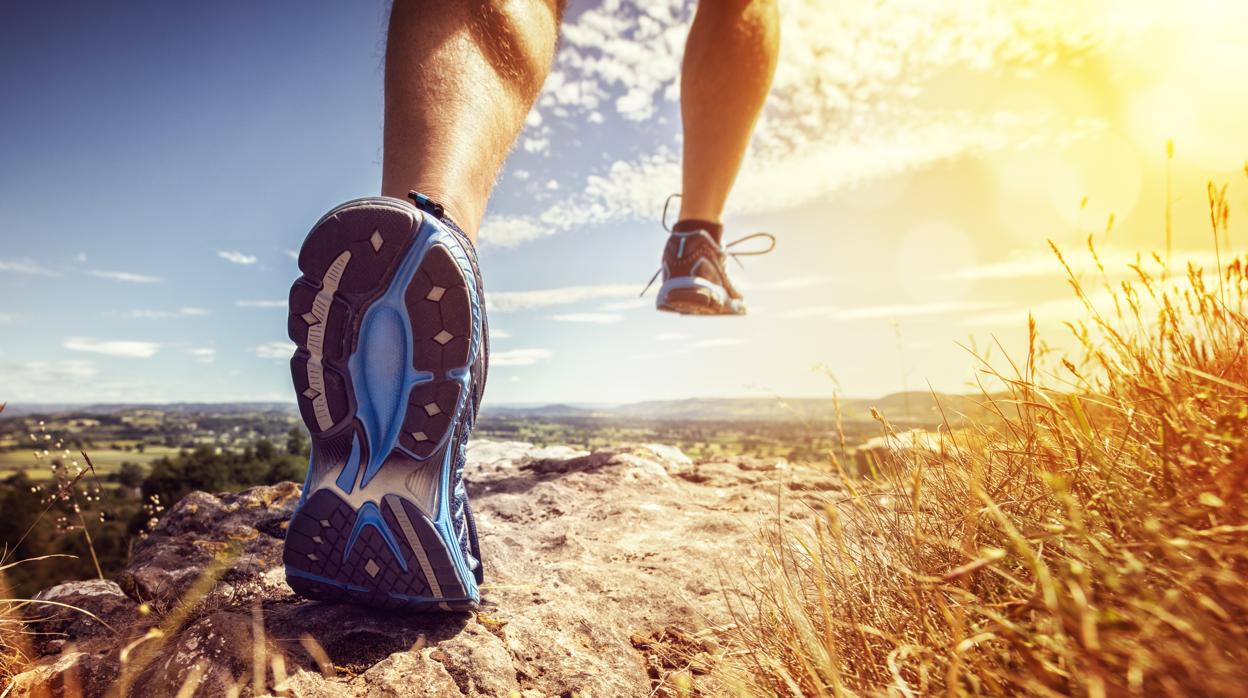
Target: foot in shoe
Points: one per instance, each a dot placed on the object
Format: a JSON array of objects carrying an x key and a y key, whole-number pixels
[{"x": 389, "y": 321}]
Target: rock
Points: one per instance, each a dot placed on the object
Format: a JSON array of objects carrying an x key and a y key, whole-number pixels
[
  {"x": 64, "y": 626},
  {"x": 237, "y": 535},
  {"x": 602, "y": 572},
  {"x": 405, "y": 674}
]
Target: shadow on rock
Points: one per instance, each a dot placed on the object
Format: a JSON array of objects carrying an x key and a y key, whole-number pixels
[{"x": 354, "y": 637}]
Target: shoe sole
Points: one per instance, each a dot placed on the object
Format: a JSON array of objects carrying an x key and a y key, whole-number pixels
[
  {"x": 692, "y": 295},
  {"x": 388, "y": 325}
]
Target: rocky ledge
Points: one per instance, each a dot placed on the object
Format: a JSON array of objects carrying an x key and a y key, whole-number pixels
[{"x": 607, "y": 574}]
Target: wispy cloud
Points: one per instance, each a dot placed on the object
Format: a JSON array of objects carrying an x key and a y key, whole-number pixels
[
  {"x": 895, "y": 310},
  {"x": 509, "y": 231},
  {"x": 237, "y": 257},
  {"x": 507, "y": 301},
  {"x": 125, "y": 276},
  {"x": 1054, "y": 310},
  {"x": 275, "y": 303},
  {"x": 26, "y": 266},
  {"x": 7, "y": 319},
  {"x": 122, "y": 348},
  {"x": 670, "y": 336},
  {"x": 203, "y": 355},
  {"x": 630, "y": 304},
  {"x": 591, "y": 318},
  {"x": 793, "y": 282},
  {"x": 688, "y": 347},
  {"x": 716, "y": 342},
  {"x": 274, "y": 350},
  {"x": 519, "y": 357},
  {"x": 37, "y": 380},
  {"x": 1116, "y": 261},
  {"x": 188, "y": 311},
  {"x": 498, "y": 333}
]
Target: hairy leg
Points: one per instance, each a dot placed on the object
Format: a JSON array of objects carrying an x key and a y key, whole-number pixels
[
  {"x": 460, "y": 78},
  {"x": 730, "y": 58}
]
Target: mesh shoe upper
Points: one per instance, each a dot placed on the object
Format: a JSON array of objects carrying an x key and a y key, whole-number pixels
[
  {"x": 461, "y": 513},
  {"x": 695, "y": 253}
]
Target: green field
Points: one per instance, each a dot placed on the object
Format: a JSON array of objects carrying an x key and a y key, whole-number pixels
[{"x": 105, "y": 459}]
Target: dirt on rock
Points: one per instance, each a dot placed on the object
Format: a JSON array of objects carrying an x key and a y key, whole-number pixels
[{"x": 607, "y": 574}]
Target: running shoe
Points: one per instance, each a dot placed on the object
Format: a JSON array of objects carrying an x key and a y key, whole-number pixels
[
  {"x": 695, "y": 281},
  {"x": 390, "y": 325}
]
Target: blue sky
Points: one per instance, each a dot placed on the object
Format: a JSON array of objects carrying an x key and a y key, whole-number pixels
[{"x": 159, "y": 162}]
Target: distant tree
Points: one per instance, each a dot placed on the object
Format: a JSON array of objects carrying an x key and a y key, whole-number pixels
[
  {"x": 296, "y": 442},
  {"x": 265, "y": 450},
  {"x": 286, "y": 468},
  {"x": 131, "y": 474},
  {"x": 140, "y": 447},
  {"x": 205, "y": 469}
]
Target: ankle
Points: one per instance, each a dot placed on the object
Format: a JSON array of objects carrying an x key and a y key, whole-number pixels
[
  {"x": 688, "y": 225},
  {"x": 451, "y": 209}
]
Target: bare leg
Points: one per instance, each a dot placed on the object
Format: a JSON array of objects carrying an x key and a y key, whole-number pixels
[
  {"x": 460, "y": 78},
  {"x": 730, "y": 58}
]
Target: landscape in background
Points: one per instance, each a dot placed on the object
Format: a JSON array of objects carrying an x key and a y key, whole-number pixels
[
  {"x": 942, "y": 176},
  {"x": 144, "y": 458}
]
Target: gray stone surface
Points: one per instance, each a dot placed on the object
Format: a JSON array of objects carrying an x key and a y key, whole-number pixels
[{"x": 604, "y": 573}]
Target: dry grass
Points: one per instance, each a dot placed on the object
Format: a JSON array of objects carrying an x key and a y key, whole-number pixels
[{"x": 1091, "y": 540}]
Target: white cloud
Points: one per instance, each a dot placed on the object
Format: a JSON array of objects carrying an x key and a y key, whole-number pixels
[
  {"x": 1115, "y": 260},
  {"x": 509, "y": 231},
  {"x": 188, "y": 311},
  {"x": 535, "y": 145},
  {"x": 81, "y": 257},
  {"x": 518, "y": 357},
  {"x": 128, "y": 349},
  {"x": 293, "y": 254},
  {"x": 7, "y": 319},
  {"x": 717, "y": 342},
  {"x": 507, "y": 301},
  {"x": 203, "y": 355},
  {"x": 26, "y": 266},
  {"x": 262, "y": 303},
  {"x": 630, "y": 304},
  {"x": 496, "y": 333},
  {"x": 1053, "y": 311},
  {"x": 237, "y": 257},
  {"x": 125, "y": 276},
  {"x": 688, "y": 347},
  {"x": 630, "y": 49},
  {"x": 896, "y": 310},
  {"x": 811, "y": 311},
  {"x": 789, "y": 283},
  {"x": 592, "y": 318},
  {"x": 274, "y": 350},
  {"x": 44, "y": 380}
]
